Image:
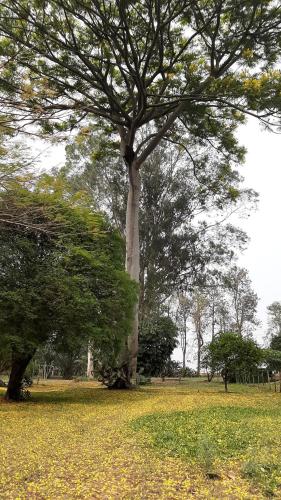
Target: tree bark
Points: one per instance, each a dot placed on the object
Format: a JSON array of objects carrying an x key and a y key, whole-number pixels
[
  {"x": 184, "y": 345},
  {"x": 225, "y": 379},
  {"x": 198, "y": 358},
  {"x": 225, "y": 384},
  {"x": 133, "y": 260},
  {"x": 200, "y": 345},
  {"x": 213, "y": 319},
  {"x": 19, "y": 364},
  {"x": 68, "y": 367},
  {"x": 184, "y": 359},
  {"x": 141, "y": 297},
  {"x": 90, "y": 363}
]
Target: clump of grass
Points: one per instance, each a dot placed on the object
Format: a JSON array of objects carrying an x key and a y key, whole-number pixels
[
  {"x": 207, "y": 453},
  {"x": 263, "y": 473}
]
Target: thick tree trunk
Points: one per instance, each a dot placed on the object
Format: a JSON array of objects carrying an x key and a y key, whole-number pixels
[
  {"x": 120, "y": 377},
  {"x": 225, "y": 382},
  {"x": 68, "y": 368},
  {"x": 19, "y": 364},
  {"x": 225, "y": 377},
  {"x": 141, "y": 297},
  {"x": 133, "y": 260}
]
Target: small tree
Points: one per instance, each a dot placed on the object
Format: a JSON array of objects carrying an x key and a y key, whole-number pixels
[
  {"x": 272, "y": 356},
  {"x": 229, "y": 352}
]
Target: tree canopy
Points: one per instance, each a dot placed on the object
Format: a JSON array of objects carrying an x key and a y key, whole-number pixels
[
  {"x": 229, "y": 353},
  {"x": 158, "y": 339},
  {"x": 133, "y": 62},
  {"x": 61, "y": 280}
]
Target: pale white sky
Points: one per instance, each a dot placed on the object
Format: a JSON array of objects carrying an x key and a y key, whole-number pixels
[{"x": 262, "y": 172}]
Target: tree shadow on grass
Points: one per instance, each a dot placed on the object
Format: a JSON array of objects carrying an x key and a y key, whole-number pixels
[
  {"x": 87, "y": 396},
  {"x": 103, "y": 397}
]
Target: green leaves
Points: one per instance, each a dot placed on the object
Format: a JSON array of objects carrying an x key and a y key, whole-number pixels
[
  {"x": 61, "y": 278},
  {"x": 137, "y": 60},
  {"x": 158, "y": 339},
  {"x": 231, "y": 353}
]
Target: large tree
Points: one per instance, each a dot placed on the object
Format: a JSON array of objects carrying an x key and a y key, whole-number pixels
[
  {"x": 186, "y": 68},
  {"x": 61, "y": 280},
  {"x": 177, "y": 241},
  {"x": 242, "y": 301}
]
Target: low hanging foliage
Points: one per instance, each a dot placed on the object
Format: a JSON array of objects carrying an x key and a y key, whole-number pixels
[{"x": 61, "y": 279}]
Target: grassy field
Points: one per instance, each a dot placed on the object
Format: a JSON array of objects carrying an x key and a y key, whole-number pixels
[{"x": 165, "y": 441}]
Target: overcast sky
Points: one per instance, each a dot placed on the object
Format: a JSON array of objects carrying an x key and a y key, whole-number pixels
[{"x": 262, "y": 172}]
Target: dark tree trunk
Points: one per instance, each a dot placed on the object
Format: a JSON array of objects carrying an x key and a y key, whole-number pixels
[
  {"x": 19, "y": 364},
  {"x": 225, "y": 378},
  {"x": 225, "y": 384},
  {"x": 68, "y": 369},
  {"x": 115, "y": 378},
  {"x": 120, "y": 384}
]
